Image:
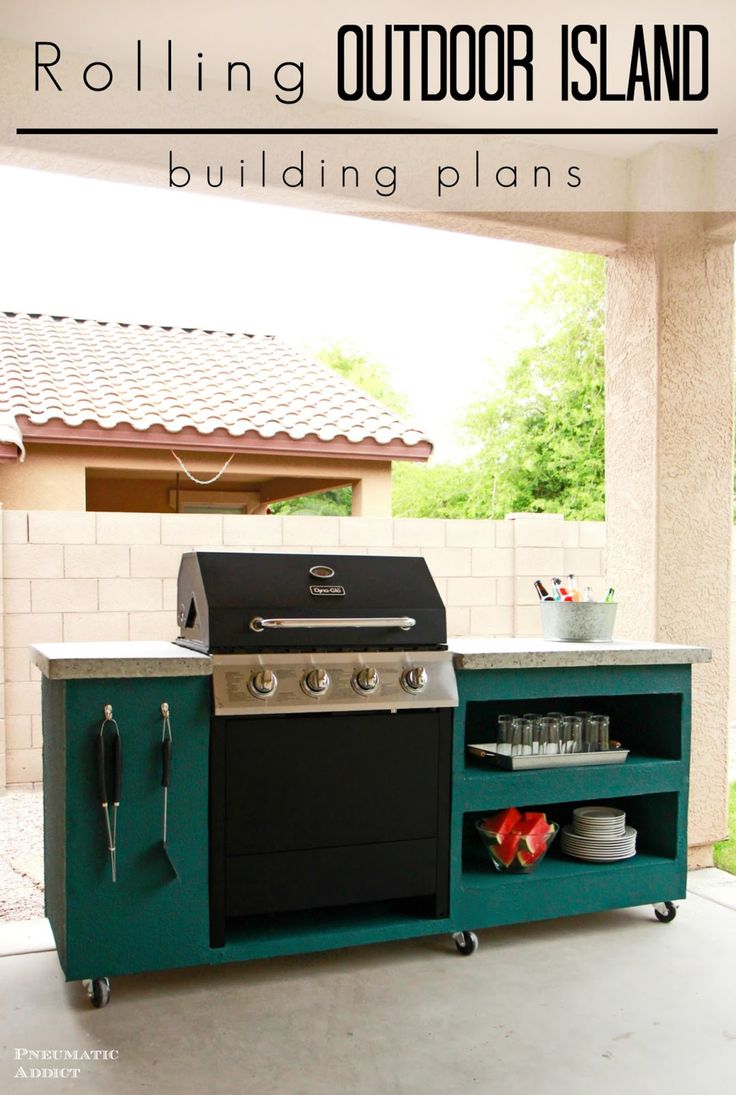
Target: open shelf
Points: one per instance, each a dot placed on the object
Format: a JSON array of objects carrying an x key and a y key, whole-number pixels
[
  {"x": 561, "y": 886},
  {"x": 483, "y": 787},
  {"x": 323, "y": 929},
  {"x": 653, "y": 815},
  {"x": 480, "y": 875},
  {"x": 649, "y": 725}
]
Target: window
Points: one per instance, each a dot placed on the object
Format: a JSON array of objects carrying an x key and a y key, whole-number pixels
[{"x": 214, "y": 501}]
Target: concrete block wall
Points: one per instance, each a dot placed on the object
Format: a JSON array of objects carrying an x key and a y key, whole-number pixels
[{"x": 70, "y": 576}]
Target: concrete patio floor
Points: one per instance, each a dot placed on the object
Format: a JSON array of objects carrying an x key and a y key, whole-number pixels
[{"x": 595, "y": 1005}]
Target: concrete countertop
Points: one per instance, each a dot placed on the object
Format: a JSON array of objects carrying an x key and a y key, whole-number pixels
[
  {"x": 77, "y": 661},
  {"x": 74, "y": 661},
  {"x": 492, "y": 653}
]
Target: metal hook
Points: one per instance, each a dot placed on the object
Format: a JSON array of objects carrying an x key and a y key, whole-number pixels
[
  {"x": 166, "y": 747},
  {"x": 110, "y": 796},
  {"x": 166, "y": 731}
]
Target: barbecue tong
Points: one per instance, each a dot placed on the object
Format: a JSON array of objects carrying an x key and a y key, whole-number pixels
[
  {"x": 113, "y": 766},
  {"x": 166, "y": 745}
]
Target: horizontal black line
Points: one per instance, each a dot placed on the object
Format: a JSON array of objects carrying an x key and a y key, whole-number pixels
[{"x": 309, "y": 132}]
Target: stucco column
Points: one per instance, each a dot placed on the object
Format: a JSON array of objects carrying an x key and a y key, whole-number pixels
[
  {"x": 372, "y": 492},
  {"x": 3, "y": 736},
  {"x": 669, "y": 469}
]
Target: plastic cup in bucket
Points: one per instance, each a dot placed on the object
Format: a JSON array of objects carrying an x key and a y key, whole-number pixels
[{"x": 578, "y": 621}]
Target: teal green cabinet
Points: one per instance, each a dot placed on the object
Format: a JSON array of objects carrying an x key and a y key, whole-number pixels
[
  {"x": 147, "y": 919},
  {"x": 151, "y": 920},
  {"x": 649, "y": 707}
]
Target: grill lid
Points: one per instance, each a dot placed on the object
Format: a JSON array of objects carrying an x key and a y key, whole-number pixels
[{"x": 232, "y": 601}]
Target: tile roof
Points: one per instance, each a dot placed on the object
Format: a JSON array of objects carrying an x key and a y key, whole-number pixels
[{"x": 85, "y": 371}]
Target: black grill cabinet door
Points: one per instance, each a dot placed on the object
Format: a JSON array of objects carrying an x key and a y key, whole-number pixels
[{"x": 320, "y": 781}]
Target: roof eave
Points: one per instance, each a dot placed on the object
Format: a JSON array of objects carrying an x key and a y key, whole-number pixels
[
  {"x": 10, "y": 452},
  {"x": 124, "y": 435}
]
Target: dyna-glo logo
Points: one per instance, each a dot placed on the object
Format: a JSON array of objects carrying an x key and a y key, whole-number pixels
[{"x": 327, "y": 591}]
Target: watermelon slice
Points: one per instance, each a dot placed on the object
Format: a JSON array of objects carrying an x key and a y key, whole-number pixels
[
  {"x": 506, "y": 849},
  {"x": 498, "y": 825},
  {"x": 533, "y": 846},
  {"x": 536, "y": 846},
  {"x": 532, "y": 825}
]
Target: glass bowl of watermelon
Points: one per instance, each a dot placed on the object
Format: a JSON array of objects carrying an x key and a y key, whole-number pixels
[{"x": 516, "y": 842}]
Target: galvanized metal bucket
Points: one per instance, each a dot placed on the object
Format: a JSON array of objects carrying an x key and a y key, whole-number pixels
[{"x": 578, "y": 621}]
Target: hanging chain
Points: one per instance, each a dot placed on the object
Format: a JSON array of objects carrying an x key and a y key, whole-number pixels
[{"x": 202, "y": 482}]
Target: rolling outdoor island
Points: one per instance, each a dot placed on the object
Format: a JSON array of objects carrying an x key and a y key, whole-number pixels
[{"x": 156, "y": 914}]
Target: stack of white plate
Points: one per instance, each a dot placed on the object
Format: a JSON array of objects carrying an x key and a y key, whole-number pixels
[{"x": 599, "y": 834}]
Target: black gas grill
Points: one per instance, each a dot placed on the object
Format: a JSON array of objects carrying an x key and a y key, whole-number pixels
[
  {"x": 232, "y": 602},
  {"x": 331, "y": 731}
]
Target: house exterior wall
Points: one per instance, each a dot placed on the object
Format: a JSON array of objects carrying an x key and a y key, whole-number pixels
[
  {"x": 128, "y": 495},
  {"x": 51, "y": 476},
  {"x": 55, "y": 477}
]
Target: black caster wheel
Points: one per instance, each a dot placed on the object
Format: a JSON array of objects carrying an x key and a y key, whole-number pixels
[
  {"x": 466, "y": 942},
  {"x": 98, "y": 990},
  {"x": 665, "y": 911}
]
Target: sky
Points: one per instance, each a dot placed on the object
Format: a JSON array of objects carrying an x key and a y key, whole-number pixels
[{"x": 441, "y": 310}]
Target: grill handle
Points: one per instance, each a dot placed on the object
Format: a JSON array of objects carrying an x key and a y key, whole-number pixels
[{"x": 258, "y": 623}]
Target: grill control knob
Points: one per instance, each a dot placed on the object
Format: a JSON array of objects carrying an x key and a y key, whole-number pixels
[
  {"x": 414, "y": 679},
  {"x": 366, "y": 680},
  {"x": 263, "y": 683},
  {"x": 316, "y": 682}
]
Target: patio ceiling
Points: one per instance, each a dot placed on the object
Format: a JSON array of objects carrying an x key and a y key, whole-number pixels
[{"x": 622, "y": 172}]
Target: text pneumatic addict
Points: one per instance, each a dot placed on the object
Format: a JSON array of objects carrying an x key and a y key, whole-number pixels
[{"x": 316, "y": 173}]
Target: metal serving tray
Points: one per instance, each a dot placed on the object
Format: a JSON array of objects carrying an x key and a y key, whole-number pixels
[{"x": 551, "y": 760}]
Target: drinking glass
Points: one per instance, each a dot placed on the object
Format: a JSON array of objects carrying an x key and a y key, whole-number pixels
[
  {"x": 549, "y": 735},
  {"x": 534, "y": 718},
  {"x": 521, "y": 744},
  {"x": 598, "y": 732},
  {"x": 504, "y": 736},
  {"x": 584, "y": 716},
  {"x": 571, "y": 734}
]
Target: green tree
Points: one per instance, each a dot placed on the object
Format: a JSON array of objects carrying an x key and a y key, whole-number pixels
[
  {"x": 365, "y": 373},
  {"x": 328, "y": 503},
  {"x": 434, "y": 490},
  {"x": 540, "y": 441}
]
